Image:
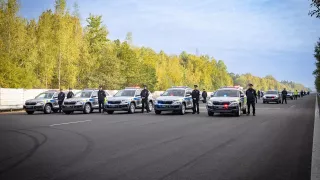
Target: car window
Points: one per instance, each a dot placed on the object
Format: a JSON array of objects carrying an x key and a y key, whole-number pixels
[
  {"x": 138, "y": 92},
  {"x": 107, "y": 94},
  {"x": 226, "y": 93},
  {"x": 95, "y": 93},
  {"x": 128, "y": 93},
  {"x": 272, "y": 92},
  {"x": 55, "y": 95},
  {"x": 83, "y": 94},
  {"x": 174, "y": 92}
]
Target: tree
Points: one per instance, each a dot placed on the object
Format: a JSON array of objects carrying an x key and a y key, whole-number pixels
[{"x": 315, "y": 4}]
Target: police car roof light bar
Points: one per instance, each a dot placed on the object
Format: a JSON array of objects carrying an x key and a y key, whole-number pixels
[{"x": 180, "y": 87}]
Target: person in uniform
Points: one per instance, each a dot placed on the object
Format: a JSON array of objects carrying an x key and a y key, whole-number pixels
[
  {"x": 284, "y": 95},
  {"x": 195, "y": 99},
  {"x": 295, "y": 94},
  {"x": 251, "y": 99},
  {"x": 70, "y": 94},
  {"x": 144, "y": 96},
  {"x": 204, "y": 95},
  {"x": 259, "y": 94},
  {"x": 61, "y": 97},
  {"x": 101, "y": 98}
]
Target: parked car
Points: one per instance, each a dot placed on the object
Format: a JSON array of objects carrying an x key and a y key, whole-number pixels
[
  {"x": 272, "y": 96},
  {"x": 290, "y": 95}
]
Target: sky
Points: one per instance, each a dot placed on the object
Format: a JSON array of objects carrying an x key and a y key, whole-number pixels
[{"x": 261, "y": 37}]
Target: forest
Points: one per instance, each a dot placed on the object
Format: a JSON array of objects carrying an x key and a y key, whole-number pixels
[{"x": 56, "y": 51}]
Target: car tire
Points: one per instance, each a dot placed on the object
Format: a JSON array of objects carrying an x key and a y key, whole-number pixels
[
  {"x": 264, "y": 102},
  {"x": 210, "y": 113},
  {"x": 67, "y": 112},
  {"x": 87, "y": 108},
  {"x": 183, "y": 109},
  {"x": 157, "y": 112},
  {"x": 110, "y": 112},
  {"x": 30, "y": 112},
  {"x": 151, "y": 106},
  {"x": 132, "y": 108},
  {"x": 47, "y": 109},
  {"x": 239, "y": 111}
]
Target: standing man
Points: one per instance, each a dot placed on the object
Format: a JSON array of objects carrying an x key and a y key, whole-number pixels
[
  {"x": 295, "y": 94},
  {"x": 70, "y": 94},
  {"x": 284, "y": 95},
  {"x": 259, "y": 94},
  {"x": 195, "y": 99},
  {"x": 251, "y": 99},
  {"x": 101, "y": 98},
  {"x": 144, "y": 96},
  {"x": 61, "y": 97},
  {"x": 204, "y": 95},
  {"x": 301, "y": 93}
]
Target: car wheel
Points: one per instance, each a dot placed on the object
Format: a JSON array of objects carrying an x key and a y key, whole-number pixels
[
  {"x": 47, "y": 109},
  {"x": 264, "y": 102},
  {"x": 132, "y": 108},
  {"x": 157, "y": 112},
  {"x": 239, "y": 111},
  {"x": 151, "y": 106},
  {"x": 110, "y": 112},
  {"x": 183, "y": 109},
  {"x": 30, "y": 112},
  {"x": 87, "y": 108},
  {"x": 210, "y": 113}
]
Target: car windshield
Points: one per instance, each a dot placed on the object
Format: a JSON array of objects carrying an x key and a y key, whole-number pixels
[
  {"x": 45, "y": 96},
  {"x": 226, "y": 93},
  {"x": 271, "y": 92},
  {"x": 83, "y": 94},
  {"x": 127, "y": 93},
  {"x": 174, "y": 92}
]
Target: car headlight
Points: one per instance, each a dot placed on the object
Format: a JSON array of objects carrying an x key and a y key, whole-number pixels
[
  {"x": 276, "y": 97},
  {"x": 175, "y": 102},
  {"x": 233, "y": 103},
  {"x": 209, "y": 103},
  {"x": 124, "y": 102},
  {"x": 39, "y": 104},
  {"x": 79, "y": 103}
]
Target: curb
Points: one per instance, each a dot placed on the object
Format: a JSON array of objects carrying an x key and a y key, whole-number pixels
[{"x": 315, "y": 165}]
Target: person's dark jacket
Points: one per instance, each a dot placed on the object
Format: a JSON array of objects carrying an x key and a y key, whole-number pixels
[
  {"x": 144, "y": 94},
  {"x": 259, "y": 94},
  {"x": 251, "y": 95},
  {"x": 70, "y": 94},
  {"x": 284, "y": 93},
  {"x": 195, "y": 94},
  {"x": 101, "y": 95},
  {"x": 204, "y": 94},
  {"x": 61, "y": 96}
]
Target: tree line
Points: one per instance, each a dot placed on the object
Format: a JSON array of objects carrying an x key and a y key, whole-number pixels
[
  {"x": 315, "y": 11},
  {"x": 55, "y": 51}
]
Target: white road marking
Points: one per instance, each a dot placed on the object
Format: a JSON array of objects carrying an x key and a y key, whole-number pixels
[
  {"x": 75, "y": 122},
  {"x": 315, "y": 167}
]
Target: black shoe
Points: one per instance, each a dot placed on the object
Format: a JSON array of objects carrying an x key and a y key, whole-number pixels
[
  {"x": 198, "y": 112},
  {"x": 248, "y": 114},
  {"x": 254, "y": 114}
]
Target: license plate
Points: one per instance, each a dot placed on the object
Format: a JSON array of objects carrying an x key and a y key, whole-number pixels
[
  {"x": 113, "y": 105},
  {"x": 164, "y": 106},
  {"x": 29, "y": 107},
  {"x": 69, "y": 106}
]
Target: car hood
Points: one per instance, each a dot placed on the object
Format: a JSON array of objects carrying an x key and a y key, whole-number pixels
[
  {"x": 75, "y": 99},
  {"x": 38, "y": 100},
  {"x": 169, "y": 98},
  {"x": 271, "y": 95},
  {"x": 224, "y": 99},
  {"x": 121, "y": 98}
]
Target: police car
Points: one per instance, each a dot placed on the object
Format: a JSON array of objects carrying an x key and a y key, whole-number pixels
[
  {"x": 46, "y": 102},
  {"x": 228, "y": 100},
  {"x": 128, "y": 99},
  {"x": 176, "y": 99},
  {"x": 85, "y": 101}
]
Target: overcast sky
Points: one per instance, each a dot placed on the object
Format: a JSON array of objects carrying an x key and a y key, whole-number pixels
[{"x": 261, "y": 37}]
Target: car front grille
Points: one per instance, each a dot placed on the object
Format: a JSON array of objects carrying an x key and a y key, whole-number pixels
[
  {"x": 220, "y": 103},
  {"x": 69, "y": 102},
  {"x": 164, "y": 102},
  {"x": 114, "y": 102},
  {"x": 31, "y": 103}
]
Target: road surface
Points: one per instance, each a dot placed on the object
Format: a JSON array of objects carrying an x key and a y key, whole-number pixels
[{"x": 274, "y": 145}]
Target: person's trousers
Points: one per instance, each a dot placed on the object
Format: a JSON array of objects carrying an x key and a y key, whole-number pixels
[
  {"x": 253, "y": 104},
  {"x": 145, "y": 105},
  {"x": 60, "y": 105},
  {"x": 101, "y": 106},
  {"x": 284, "y": 99},
  {"x": 196, "y": 106}
]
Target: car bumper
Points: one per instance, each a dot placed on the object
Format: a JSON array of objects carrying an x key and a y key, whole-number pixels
[
  {"x": 167, "y": 107},
  {"x": 33, "y": 108},
  {"x": 72, "y": 107},
  {"x": 271, "y": 100},
  {"x": 116, "y": 107},
  {"x": 222, "y": 109}
]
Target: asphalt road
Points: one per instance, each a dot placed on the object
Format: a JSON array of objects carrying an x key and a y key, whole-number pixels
[{"x": 276, "y": 144}]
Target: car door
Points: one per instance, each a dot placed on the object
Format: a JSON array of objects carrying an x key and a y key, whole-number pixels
[
  {"x": 138, "y": 98},
  {"x": 243, "y": 99},
  {"x": 55, "y": 101},
  {"x": 188, "y": 99},
  {"x": 95, "y": 102}
]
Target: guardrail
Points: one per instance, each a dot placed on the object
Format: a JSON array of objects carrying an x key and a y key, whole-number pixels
[{"x": 14, "y": 99}]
